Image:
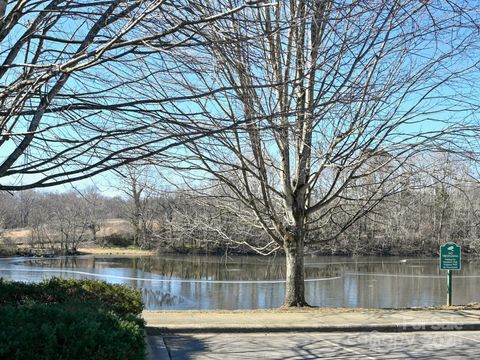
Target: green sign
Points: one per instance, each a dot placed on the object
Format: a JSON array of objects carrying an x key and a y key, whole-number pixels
[{"x": 450, "y": 256}]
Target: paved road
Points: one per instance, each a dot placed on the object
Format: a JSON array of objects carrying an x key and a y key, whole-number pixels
[{"x": 366, "y": 345}]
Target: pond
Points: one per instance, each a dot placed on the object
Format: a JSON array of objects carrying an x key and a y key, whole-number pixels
[{"x": 210, "y": 282}]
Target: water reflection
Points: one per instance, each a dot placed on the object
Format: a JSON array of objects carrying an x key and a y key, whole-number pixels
[
  {"x": 202, "y": 282},
  {"x": 156, "y": 298}
]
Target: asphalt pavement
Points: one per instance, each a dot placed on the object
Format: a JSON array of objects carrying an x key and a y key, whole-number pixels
[
  {"x": 365, "y": 345},
  {"x": 314, "y": 334}
]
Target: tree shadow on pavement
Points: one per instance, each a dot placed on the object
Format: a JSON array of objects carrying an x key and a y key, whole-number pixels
[
  {"x": 238, "y": 346},
  {"x": 184, "y": 346}
]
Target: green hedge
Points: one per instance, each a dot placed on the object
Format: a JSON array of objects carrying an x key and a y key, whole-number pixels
[
  {"x": 68, "y": 331},
  {"x": 70, "y": 319},
  {"x": 118, "y": 298}
]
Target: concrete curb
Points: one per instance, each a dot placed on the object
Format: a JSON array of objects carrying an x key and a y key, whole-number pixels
[
  {"x": 391, "y": 328},
  {"x": 156, "y": 348}
]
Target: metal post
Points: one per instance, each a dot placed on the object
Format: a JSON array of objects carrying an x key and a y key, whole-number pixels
[{"x": 449, "y": 285}]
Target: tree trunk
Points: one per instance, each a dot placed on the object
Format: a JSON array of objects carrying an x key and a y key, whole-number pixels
[{"x": 295, "y": 287}]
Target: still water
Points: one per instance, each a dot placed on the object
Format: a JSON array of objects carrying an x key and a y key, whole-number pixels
[{"x": 209, "y": 282}]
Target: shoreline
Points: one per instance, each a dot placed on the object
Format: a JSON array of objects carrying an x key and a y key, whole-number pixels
[
  {"x": 114, "y": 251},
  {"x": 128, "y": 251},
  {"x": 87, "y": 251}
]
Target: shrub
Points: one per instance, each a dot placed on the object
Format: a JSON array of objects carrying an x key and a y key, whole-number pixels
[
  {"x": 68, "y": 331},
  {"x": 117, "y": 298},
  {"x": 70, "y": 319},
  {"x": 122, "y": 240}
]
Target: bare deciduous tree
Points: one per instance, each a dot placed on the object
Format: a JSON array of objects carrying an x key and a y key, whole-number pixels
[
  {"x": 328, "y": 97},
  {"x": 138, "y": 188},
  {"x": 76, "y": 79}
]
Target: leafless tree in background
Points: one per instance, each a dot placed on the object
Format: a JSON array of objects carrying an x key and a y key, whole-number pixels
[
  {"x": 76, "y": 83},
  {"x": 403, "y": 224},
  {"x": 437, "y": 203},
  {"x": 138, "y": 187},
  {"x": 95, "y": 210},
  {"x": 336, "y": 98}
]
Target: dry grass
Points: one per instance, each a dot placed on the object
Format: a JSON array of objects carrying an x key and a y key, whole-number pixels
[
  {"x": 111, "y": 227},
  {"x": 21, "y": 238},
  {"x": 115, "y": 251},
  {"x": 18, "y": 236},
  {"x": 108, "y": 227},
  {"x": 279, "y": 310},
  {"x": 315, "y": 310}
]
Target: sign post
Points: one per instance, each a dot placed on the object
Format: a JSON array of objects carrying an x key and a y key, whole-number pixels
[
  {"x": 449, "y": 286},
  {"x": 450, "y": 259}
]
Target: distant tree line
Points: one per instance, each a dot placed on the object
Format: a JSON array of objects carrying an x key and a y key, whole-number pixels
[{"x": 428, "y": 208}]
